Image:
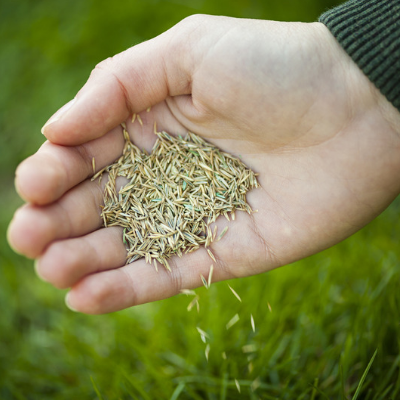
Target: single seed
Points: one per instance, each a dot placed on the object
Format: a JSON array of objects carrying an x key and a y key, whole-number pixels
[
  {"x": 207, "y": 351},
  {"x": 139, "y": 119},
  {"x": 194, "y": 302},
  {"x": 210, "y": 274},
  {"x": 215, "y": 232},
  {"x": 236, "y": 295},
  {"x": 237, "y": 385},
  {"x": 204, "y": 336},
  {"x": 94, "y": 166},
  {"x": 155, "y": 265},
  {"x": 222, "y": 234},
  {"x": 253, "y": 325},
  {"x": 255, "y": 384},
  {"x": 204, "y": 281},
  {"x": 232, "y": 321},
  {"x": 249, "y": 348},
  {"x": 188, "y": 292},
  {"x": 211, "y": 255}
]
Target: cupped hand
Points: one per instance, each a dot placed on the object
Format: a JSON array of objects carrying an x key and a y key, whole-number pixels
[{"x": 282, "y": 96}]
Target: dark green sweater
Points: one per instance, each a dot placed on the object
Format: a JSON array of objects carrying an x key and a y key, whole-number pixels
[{"x": 369, "y": 31}]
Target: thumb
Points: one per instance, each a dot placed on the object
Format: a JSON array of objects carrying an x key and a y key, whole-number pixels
[{"x": 127, "y": 83}]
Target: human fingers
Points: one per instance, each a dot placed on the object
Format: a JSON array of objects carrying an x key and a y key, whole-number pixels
[
  {"x": 75, "y": 214},
  {"x": 127, "y": 83},
  {"x": 139, "y": 283},
  {"x": 54, "y": 169},
  {"x": 65, "y": 262},
  {"x": 86, "y": 264}
]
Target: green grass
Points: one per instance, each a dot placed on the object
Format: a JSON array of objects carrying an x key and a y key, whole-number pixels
[{"x": 330, "y": 312}]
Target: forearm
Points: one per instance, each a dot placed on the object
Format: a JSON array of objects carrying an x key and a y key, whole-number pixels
[{"x": 369, "y": 31}]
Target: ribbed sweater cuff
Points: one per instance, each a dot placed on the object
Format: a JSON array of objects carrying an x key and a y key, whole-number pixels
[{"x": 369, "y": 31}]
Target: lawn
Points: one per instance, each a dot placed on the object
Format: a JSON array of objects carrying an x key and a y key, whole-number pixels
[{"x": 318, "y": 322}]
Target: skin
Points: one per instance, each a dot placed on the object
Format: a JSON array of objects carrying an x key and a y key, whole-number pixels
[{"x": 283, "y": 96}]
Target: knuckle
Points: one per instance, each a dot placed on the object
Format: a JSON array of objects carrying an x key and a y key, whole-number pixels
[
  {"x": 194, "y": 20},
  {"x": 108, "y": 69},
  {"x": 96, "y": 297},
  {"x": 55, "y": 266},
  {"x": 104, "y": 65},
  {"x": 175, "y": 276},
  {"x": 85, "y": 156}
]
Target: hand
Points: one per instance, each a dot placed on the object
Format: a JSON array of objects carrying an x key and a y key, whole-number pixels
[{"x": 283, "y": 96}]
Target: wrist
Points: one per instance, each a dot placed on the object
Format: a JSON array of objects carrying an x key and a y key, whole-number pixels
[{"x": 375, "y": 119}]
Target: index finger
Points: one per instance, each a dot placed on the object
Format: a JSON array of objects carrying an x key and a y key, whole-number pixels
[
  {"x": 127, "y": 83},
  {"x": 54, "y": 169}
]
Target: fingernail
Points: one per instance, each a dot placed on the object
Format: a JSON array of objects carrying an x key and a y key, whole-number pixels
[
  {"x": 61, "y": 112},
  {"x": 68, "y": 303}
]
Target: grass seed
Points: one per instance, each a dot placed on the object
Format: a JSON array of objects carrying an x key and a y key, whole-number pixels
[
  {"x": 234, "y": 292},
  {"x": 232, "y": 321},
  {"x": 173, "y": 195}
]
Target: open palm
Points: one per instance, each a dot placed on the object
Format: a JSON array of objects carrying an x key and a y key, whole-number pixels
[{"x": 282, "y": 96}]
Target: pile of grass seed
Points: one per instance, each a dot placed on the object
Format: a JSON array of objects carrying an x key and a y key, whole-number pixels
[{"x": 173, "y": 195}]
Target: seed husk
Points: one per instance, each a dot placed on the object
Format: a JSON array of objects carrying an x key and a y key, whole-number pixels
[
  {"x": 210, "y": 274},
  {"x": 203, "y": 335},
  {"x": 194, "y": 302},
  {"x": 188, "y": 292},
  {"x": 205, "y": 283},
  {"x": 253, "y": 325},
  {"x": 222, "y": 234},
  {"x": 249, "y": 348},
  {"x": 237, "y": 385},
  {"x": 173, "y": 195},
  {"x": 207, "y": 351},
  {"x": 235, "y": 294},
  {"x": 233, "y": 321},
  {"x": 255, "y": 384}
]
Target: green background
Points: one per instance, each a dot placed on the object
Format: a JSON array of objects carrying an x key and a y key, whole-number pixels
[{"x": 329, "y": 313}]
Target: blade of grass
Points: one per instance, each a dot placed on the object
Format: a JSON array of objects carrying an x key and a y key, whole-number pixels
[
  {"x": 135, "y": 386},
  {"x": 95, "y": 388},
  {"x": 359, "y": 387},
  {"x": 342, "y": 391},
  {"x": 178, "y": 391},
  {"x": 17, "y": 395},
  {"x": 385, "y": 394},
  {"x": 314, "y": 392},
  {"x": 224, "y": 386},
  {"x": 315, "y": 388}
]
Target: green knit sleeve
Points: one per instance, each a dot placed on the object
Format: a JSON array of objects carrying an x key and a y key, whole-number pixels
[{"x": 369, "y": 31}]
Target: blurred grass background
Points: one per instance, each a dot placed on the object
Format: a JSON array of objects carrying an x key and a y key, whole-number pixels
[{"x": 318, "y": 322}]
